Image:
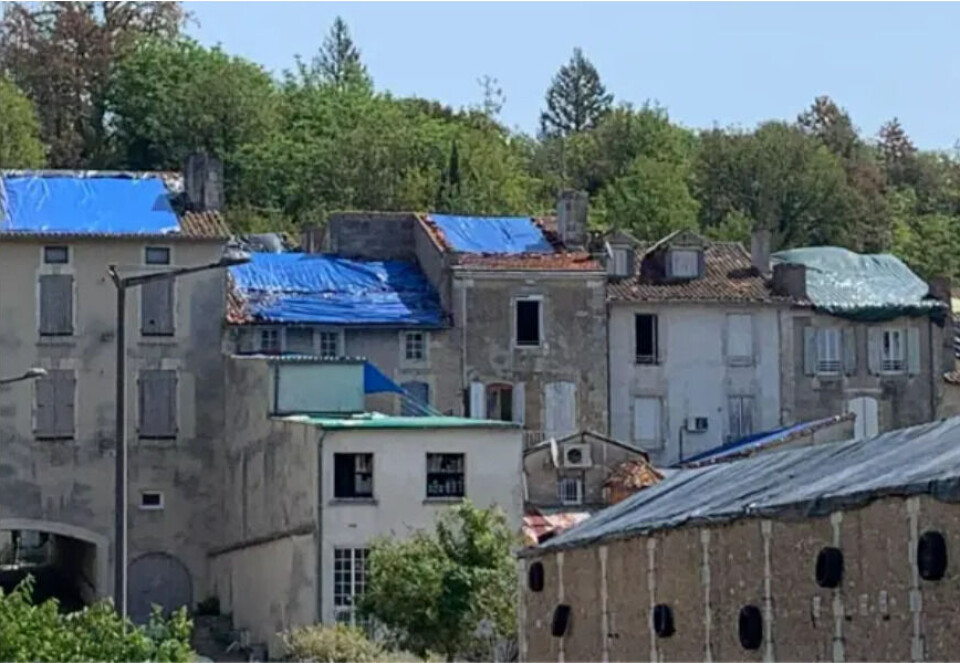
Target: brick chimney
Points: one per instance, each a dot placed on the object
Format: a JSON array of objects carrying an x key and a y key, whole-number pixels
[
  {"x": 203, "y": 182},
  {"x": 760, "y": 250},
  {"x": 790, "y": 279},
  {"x": 572, "y": 218}
]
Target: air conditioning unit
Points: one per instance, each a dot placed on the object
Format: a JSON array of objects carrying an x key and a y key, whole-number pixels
[
  {"x": 696, "y": 424},
  {"x": 576, "y": 456}
]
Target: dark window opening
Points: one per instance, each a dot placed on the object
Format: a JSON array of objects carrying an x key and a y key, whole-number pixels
[
  {"x": 500, "y": 402},
  {"x": 561, "y": 618},
  {"x": 829, "y": 567},
  {"x": 56, "y": 255},
  {"x": 445, "y": 475},
  {"x": 535, "y": 577},
  {"x": 646, "y": 333},
  {"x": 751, "y": 627},
  {"x": 353, "y": 476},
  {"x": 157, "y": 256},
  {"x": 663, "y": 621},
  {"x": 931, "y": 556},
  {"x": 151, "y": 500},
  {"x": 528, "y": 322}
]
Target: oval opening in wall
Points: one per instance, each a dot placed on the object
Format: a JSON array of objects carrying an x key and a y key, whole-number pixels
[
  {"x": 829, "y": 567},
  {"x": 932, "y": 556},
  {"x": 663, "y": 621},
  {"x": 535, "y": 577},
  {"x": 561, "y": 620},
  {"x": 751, "y": 627}
]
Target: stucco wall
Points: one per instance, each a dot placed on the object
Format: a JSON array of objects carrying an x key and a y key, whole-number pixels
[
  {"x": 882, "y": 610},
  {"x": 373, "y": 235},
  {"x": 71, "y": 482},
  {"x": 693, "y": 378}
]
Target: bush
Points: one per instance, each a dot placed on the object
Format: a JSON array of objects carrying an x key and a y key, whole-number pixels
[
  {"x": 40, "y": 633},
  {"x": 330, "y": 643}
]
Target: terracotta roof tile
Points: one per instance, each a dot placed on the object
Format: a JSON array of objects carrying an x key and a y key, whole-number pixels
[
  {"x": 204, "y": 224},
  {"x": 573, "y": 260}
]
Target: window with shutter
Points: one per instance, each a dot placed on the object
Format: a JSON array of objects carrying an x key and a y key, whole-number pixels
[
  {"x": 646, "y": 420},
  {"x": 156, "y": 308},
  {"x": 55, "y": 394},
  {"x": 739, "y": 339},
  {"x": 893, "y": 351},
  {"x": 740, "y": 410},
  {"x": 158, "y": 403},
  {"x": 828, "y": 350},
  {"x": 56, "y": 304}
]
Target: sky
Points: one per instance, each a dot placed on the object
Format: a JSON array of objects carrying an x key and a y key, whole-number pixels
[{"x": 707, "y": 64}]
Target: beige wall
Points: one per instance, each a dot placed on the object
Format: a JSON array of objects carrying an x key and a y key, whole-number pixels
[
  {"x": 882, "y": 610},
  {"x": 70, "y": 483}
]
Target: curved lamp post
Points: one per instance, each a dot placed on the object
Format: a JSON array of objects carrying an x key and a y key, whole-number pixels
[{"x": 30, "y": 374}]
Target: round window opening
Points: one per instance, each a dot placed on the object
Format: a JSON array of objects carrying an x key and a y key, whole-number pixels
[
  {"x": 829, "y": 567},
  {"x": 751, "y": 627},
  {"x": 574, "y": 456},
  {"x": 663, "y": 621},
  {"x": 932, "y": 556},
  {"x": 535, "y": 577}
]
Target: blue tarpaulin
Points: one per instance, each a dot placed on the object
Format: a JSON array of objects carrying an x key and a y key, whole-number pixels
[
  {"x": 492, "y": 235},
  {"x": 375, "y": 382},
  {"x": 77, "y": 203},
  {"x": 319, "y": 288},
  {"x": 754, "y": 442}
]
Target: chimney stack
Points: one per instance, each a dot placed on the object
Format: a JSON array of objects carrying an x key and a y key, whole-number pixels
[
  {"x": 203, "y": 182},
  {"x": 940, "y": 289},
  {"x": 760, "y": 250},
  {"x": 790, "y": 279},
  {"x": 572, "y": 218}
]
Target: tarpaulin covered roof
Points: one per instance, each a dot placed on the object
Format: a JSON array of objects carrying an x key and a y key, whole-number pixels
[
  {"x": 798, "y": 482},
  {"x": 320, "y": 288},
  {"x": 492, "y": 235},
  {"x": 87, "y": 203},
  {"x": 863, "y": 286}
]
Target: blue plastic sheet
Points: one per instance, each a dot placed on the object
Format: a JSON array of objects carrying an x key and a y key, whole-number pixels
[
  {"x": 74, "y": 203},
  {"x": 753, "y": 442},
  {"x": 318, "y": 288},
  {"x": 375, "y": 382},
  {"x": 492, "y": 235}
]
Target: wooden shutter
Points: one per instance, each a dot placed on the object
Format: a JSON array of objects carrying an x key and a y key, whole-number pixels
[
  {"x": 478, "y": 406},
  {"x": 158, "y": 403},
  {"x": 156, "y": 308},
  {"x": 56, "y": 304},
  {"x": 646, "y": 419},
  {"x": 55, "y": 395},
  {"x": 849, "y": 351},
  {"x": 46, "y": 410},
  {"x": 809, "y": 350},
  {"x": 519, "y": 403},
  {"x": 913, "y": 350},
  {"x": 874, "y": 349},
  {"x": 746, "y": 416}
]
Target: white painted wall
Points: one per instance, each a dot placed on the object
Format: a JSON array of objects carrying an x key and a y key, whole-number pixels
[
  {"x": 693, "y": 377},
  {"x": 399, "y": 507}
]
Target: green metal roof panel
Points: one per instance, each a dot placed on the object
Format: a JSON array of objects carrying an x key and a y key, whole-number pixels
[{"x": 381, "y": 421}]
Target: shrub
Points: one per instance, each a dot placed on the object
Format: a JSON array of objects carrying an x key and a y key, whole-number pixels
[{"x": 331, "y": 643}]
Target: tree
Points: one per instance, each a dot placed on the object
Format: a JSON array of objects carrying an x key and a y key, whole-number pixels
[
  {"x": 576, "y": 98},
  {"x": 338, "y": 61},
  {"x": 898, "y": 154},
  {"x": 40, "y": 633},
  {"x": 493, "y": 97},
  {"x": 20, "y": 145},
  {"x": 434, "y": 591},
  {"x": 832, "y": 125},
  {"x": 652, "y": 200},
  {"x": 61, "y": 54}
]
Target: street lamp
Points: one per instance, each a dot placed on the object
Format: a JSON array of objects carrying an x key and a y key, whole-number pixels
[
  {"x": 232, "y": 255},
  {"x": 29, "y": 374}
]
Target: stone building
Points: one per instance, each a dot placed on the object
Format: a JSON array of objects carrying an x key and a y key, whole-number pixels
[
  {"x": 833, "y": 552},
  {"x": 59, "y": 233}
]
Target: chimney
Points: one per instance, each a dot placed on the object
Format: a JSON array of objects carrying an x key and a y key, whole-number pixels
[
  {"x": 311, "y": 239},
  {"x": 572, "y": 218},
  {"x": 790, "y": 279},
  {"x": 940, "y": 288},
  {"x": 760, "y": 250},
  {"x": 203, "y": 182}
]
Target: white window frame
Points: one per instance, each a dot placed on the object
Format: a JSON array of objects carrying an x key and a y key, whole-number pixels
[
  {"x": 405, "y": 360},
  {"x": 516, "y": 321},
  {"x": 829, "y": 354},
  {"x": 278, "y": 331},
  {"x": 618, "y": 261},
  {"x": 151, "y": 508},
  {"x": 318, "y": 341},
  {"x": 349, "y": 585},
  {"x": 564, "y": 484},
  {"x": 889, "y": 363}
]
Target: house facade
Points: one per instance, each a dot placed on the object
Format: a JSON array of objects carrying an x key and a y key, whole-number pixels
[{"x": 59, "y": 233}]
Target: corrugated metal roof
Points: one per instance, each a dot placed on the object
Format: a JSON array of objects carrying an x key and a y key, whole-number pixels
[{"x": 804, "y": 481}]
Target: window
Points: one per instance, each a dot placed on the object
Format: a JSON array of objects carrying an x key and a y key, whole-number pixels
[
  {"x": 353, "y": 476},
  {"x": 500, "y": 402},
  {"x": 158, "y": 403},
  {"x": 151, "y": 500},
  {"x": 415, "y": 399},
  {"x": 329, "y": 344},
  {"x": 570, "y": 490},
  {"x": 828, "y": 350},
  {"x": 55, "y": 395},
  {"x": 646, "y": 333},
  {"x": 739, "y": 339},
  {"x": 445, "y": 476},
  {"x": 349, "y": 583},
  {"x": 157, "y": 256},
  {"x": 741, "y": 417},
  {"x": 156, "y": 298},
  {"x": 892, "y": 355},
  {"x": 299, "y": 340},
  {"x": 528, "y": 322},
  {"x": 56, "y": 255},
  {"x": 618, "y": 262},
  {"x": 684, "y": 263},
  {"x": 646, "y": 420},
  {"x": 269, "y": 341},
  {"x": 56, "y": 304},
  {"x": 414, "y": 346}
]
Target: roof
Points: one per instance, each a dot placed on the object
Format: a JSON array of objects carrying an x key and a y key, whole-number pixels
[
  {"x": 545, "y": 444},
  {"x": 100, "y": 204},
  {"x": 505, "y": 243},
  {"x": 381, "y": 421},
  {"x": 538, "y": 523},
  {"x": 728, "y": 276},
  {"x": 863, "y": 286},
  {"x": 632, "y": 475},
  {"x": 323, "y": 288},
  {"x": 793, "y": 482}
]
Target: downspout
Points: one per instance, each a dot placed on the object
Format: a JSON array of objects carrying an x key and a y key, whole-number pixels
[
  {"x": 933, "y": 373},
  {"x": 464, "y": 387},
  {"x": 319, "y": 536},
  {"x": 609, "y": 375}
]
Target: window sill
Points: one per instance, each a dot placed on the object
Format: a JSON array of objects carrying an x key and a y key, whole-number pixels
[
  {"x": 57, "y": 340},
  {"x": 528, "y": 347},
  {"x": 54, "y": 439},
  {"x": 444, "y": 500},
  {"x": 159, "y": 340},
  {"x": 353, "y": 501},
  {"x": 740, "y": 362},
  {"x": 642, "y": 362}
]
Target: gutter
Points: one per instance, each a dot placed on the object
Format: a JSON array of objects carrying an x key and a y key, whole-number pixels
[{"x": 319, "y": 527}]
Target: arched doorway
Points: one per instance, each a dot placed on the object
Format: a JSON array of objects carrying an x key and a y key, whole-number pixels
[{"x": 157, "y": 578}]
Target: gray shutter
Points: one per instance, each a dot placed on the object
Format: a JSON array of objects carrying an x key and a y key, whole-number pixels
[
  {"x": 746, "y": 424},
  {"x": 519, "y": 403},
  {"x": 157, "y": 308},
  {"x": 56, "y": 304},
  {"x": 733, "y": 410},
  {"x": 874, "y": 349},
  {"x": 809, "y": 350},
  {"x": 478, "y": 404},
  {"x": 46, "y": 409},
  {"x": 64, "y": 385},
  {"x": 913, "y": 350},
  {"x": 849, "y": 351},
  {"x": 158, "y": 403},
  {"x": 631, "y": 261}
]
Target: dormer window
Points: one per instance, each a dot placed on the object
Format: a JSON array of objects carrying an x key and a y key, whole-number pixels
[
  {"x": 619, "y": 262},
  {"x": 683, "y": 264}
]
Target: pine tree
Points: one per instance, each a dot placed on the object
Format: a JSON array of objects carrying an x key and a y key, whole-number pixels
[
  {"x": 338, "y": 62},
  {"x": 576, "y": 99}
]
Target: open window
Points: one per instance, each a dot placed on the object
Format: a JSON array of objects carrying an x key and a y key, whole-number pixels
[
  {"x": 353, "y": 476},
  {"x": 500, "y": 402},
  {"x": 529, "y": 321},
  {"x": 647, "y": 348}
]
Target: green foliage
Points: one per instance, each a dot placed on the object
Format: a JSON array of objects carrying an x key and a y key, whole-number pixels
[
  {"x": 576, "y": 98},
  {"x": 331, "y": 643},
  {"x": 433, "y": 591},
  {"x": 651, "y": 200},
  {"x": 20, "y": 144},
  {"x": 40, "y": 633},
  {"x": 338, "y": 62}
]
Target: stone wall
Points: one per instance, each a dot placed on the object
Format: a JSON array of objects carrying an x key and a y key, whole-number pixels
[
  {"x": 881, "y": 611},
  {"x": 372, "y": 235}
]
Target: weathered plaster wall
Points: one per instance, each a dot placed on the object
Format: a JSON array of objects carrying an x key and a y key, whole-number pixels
[
  {"x": 373, "y": 235},
  {"x": 950, "y": 401},
  {"x": 693, "y": 377},
  {"x": 882, "y": 610},
  {"x": 70, "y": 483}
]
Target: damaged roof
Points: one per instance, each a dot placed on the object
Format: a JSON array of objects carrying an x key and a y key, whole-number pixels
[
  {"x": 798, "y": 482},
  {"x": 327, "y": 289},
  {"x": 100, "y": 204}
]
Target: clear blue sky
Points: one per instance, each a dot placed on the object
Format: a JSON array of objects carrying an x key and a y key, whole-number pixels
[{"x": 713, "y": 63}]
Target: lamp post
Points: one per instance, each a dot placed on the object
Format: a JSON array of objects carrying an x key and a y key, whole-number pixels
[
  {"x": 232, "y": 255},
  {"x": 29, "y": 374}
]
